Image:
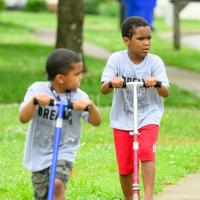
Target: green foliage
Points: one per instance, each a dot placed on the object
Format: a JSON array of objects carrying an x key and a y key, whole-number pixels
[
  {"x": 91, "y": 6},
  {"x": 2, "y": 5},
  {"x": 101, "y": 7},
  {"x": 110, "y": 8},
  {"x": 35, "y": 5}
]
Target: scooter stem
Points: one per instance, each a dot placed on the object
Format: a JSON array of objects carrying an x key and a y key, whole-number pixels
[{"x": 57, "y": 136}]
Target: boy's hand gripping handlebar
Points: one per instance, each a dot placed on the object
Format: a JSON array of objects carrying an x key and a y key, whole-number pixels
[
  {"x": 136, "y": 83},
  {"x": 52, "y": 102},
  {"x": 140, "y": 84}
]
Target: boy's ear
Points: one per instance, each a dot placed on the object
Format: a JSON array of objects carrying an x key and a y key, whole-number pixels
[
  {"x": 59, "y": 79},
  {"x": 126, "y": 41}
]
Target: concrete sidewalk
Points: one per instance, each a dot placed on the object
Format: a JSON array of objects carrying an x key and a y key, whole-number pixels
[{"x": 187, "y": 188}]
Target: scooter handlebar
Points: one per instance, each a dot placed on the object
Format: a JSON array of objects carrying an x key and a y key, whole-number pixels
[
  {"x": 52, "y": 102},
  {"x": 140, "y": 84}
]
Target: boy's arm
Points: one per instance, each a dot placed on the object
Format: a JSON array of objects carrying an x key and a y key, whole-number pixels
[
  {"x": 27, "y": 111},
  {"x": 116, "y": 82},
  {"x": 162, "y": 91},
  {"x": 105, "y": 87},
  {"x": 94, "y": 114}
]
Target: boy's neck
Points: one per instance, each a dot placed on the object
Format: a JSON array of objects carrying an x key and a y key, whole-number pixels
[
  {"x": 58, "y": 88},
  {"x": 135, "y": 59}
]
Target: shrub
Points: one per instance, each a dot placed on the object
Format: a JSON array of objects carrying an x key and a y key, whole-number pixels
[
  {"x": 101, "y": 7},
  {"x": 35, "y": 5},
  {"x": 2, "y": 4},
  {"x": 110, "y": 8},
  {"x": 91, "y": 6}
]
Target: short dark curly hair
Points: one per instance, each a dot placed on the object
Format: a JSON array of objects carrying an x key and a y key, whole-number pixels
[
  {"x": 130, "y": 24},
  {"x": 60, "y": 62}
]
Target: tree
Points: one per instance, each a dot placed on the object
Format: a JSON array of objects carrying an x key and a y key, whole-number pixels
[{"x": 70, "y": 25}]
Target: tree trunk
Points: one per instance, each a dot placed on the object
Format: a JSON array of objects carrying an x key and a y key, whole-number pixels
[{"x": 70, "y": 25}]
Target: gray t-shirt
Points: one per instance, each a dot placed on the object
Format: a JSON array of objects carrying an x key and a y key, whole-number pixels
[
  {"x": 150, "y": 104},
  {"x": 40, "y": 134}
]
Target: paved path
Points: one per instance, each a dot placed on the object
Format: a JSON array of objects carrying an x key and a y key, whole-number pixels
[
  {"x": 48, "y": 37},
  {"x": 191, "y": 39},
  {"x": 187, "y": 188}
]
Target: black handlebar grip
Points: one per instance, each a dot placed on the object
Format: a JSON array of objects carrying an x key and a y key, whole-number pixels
[
  {"x": 51, "y": 102},
  {"x": 110, "y": 85},
  {"x": 35, "y": 101},
  {"x": 158, "y": 84},
  {"x": 124, "y": 85},
  {"x": 70, "y": 106},
  {"x": 87, "y": 108}
]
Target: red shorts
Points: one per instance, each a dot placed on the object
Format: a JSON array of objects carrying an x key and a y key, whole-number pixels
[{"x": 124, "y": 147}]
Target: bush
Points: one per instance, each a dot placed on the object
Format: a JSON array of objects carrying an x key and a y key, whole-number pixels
[
  {"x": 110, "y": 8},
  {"x": 35, "y": 5},
  {"x": 101, "y": 7},
  {"x": 91, "y": 6},
  {"x": 2, "y": 4}
]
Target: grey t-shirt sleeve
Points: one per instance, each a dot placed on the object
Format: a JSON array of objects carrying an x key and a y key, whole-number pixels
[
  {"x": 29, "y": 94},
  {"x": 159, "y": 71},
  {"x": 110, "y": 69}
]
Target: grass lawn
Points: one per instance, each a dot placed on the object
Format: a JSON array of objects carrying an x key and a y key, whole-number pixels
[
  {"x": 22, "y": 61},
  {"x": 95, "y": 173}
]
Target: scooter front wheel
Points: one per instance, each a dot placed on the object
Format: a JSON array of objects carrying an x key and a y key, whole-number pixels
[{"x": 136, "y": 195}]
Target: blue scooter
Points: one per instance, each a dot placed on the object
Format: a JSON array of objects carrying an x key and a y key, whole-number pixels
[{"x": 58, "y": 131}]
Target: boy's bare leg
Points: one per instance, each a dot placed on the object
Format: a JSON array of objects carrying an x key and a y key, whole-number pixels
[
  {"x": 126, "y": 185},
  {"x": 59, "y": 191},
  {"x": 148, "y": 176}
]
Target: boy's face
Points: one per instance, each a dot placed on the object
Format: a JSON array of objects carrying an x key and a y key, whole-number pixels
[
  {"x": 140, "y": 43},
  {"x": 71, "y": 80}
]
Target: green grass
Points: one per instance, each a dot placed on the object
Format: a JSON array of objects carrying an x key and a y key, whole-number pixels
[
  {"x": 192, "y": 26},
  {"x": 95, "y": 172}
]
